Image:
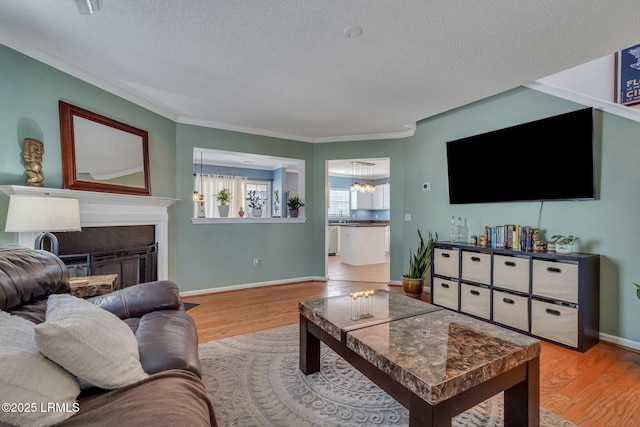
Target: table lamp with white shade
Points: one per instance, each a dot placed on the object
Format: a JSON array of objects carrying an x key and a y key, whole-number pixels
[{"x": 43, "y": 214}]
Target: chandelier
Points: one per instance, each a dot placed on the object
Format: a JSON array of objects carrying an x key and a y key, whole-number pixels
[{"x": 361, "y": 172}]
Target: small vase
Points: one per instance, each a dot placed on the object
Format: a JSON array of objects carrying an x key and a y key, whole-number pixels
[
  {"x": 241, "y": 213},
  {"x": 563, "y": 249},
  {"x": 293, "y": 213},
  {"x": 256, "y": 213},
  {"x": 223, "y": 210},
  {"x": 201, "y": 211}
]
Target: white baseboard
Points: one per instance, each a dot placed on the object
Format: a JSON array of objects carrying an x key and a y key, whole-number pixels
[
  {"x": 250, "y": 285},
  {"x": 620, "y": 341}
]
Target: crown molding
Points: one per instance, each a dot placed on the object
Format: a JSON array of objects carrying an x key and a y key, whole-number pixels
[
  {"x": 411, "y": 128},
  {"x": 580, "y": 98},
  {"x": 52, "y": 61},
  {"x": 66, "y": 68}
]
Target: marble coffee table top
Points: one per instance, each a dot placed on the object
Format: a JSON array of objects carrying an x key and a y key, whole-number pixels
[
  {"x": 341, "y": 314},
  {"x": 441, "y": 353}
]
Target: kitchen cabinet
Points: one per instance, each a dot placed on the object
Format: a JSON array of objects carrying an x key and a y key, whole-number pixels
[
  {"x": 387, "y": 239},
  {"x": 361, "y": 200},
  {"x": 382, "y": 197},
  {"x": 332, "y": 239}
]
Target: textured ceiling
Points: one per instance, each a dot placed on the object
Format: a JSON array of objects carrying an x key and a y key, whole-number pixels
[{"x": 285, "y": 68}]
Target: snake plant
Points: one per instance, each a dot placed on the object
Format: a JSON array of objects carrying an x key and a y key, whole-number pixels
[{"x": 420, "y": 261}]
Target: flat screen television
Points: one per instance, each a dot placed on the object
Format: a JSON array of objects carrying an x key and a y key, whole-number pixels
[{"x": 548, "y": 159}]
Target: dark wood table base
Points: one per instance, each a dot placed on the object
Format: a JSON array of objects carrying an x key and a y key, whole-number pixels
[{"x": 520, "y": 385}]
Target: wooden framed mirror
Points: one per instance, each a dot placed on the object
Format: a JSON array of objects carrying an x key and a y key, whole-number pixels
[{"x": 101, "y": 154}]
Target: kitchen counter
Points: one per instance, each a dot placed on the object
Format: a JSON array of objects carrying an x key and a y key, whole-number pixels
[
  {"x": 362, "y": 244},
  {"x": 356, "y": 224}
]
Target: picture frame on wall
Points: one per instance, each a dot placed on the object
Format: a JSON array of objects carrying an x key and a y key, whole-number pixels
[{"x": 627, "y": 76}]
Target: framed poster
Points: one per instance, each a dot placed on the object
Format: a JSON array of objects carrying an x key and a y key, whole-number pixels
[{"x": 628, "y": 76}]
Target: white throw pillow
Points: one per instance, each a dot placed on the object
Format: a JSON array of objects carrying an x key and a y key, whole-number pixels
[
  {"x": 89, "y": 342},
  {"x": 29, "y": 382}
]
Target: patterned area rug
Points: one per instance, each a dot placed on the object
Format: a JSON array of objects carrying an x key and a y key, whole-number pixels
[{"x": 254, "y": 380}]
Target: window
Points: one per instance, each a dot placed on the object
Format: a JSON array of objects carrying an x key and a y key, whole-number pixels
[
  {"x": 338, "y": 202},
  {"x": 262, "y": 190},
  {"x": 266, "y": 175}
]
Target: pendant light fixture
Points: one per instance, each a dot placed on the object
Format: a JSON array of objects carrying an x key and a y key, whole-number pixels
[
  {"x": 198, "y": 196},
  {"x": 361, "y": 171}
]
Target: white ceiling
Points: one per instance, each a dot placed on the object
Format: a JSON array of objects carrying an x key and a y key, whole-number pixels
[{"x": 285, "y": 68}]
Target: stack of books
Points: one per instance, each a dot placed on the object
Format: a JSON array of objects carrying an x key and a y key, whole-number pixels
[{"x": 510, "y": 236}]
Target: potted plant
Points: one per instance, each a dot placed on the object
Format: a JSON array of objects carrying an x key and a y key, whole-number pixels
[
  {"x": 637, "y": 290},
  {"x": 255, "y": 203},
  {"x": 564, "y": 244},
  {"x": 276, "y": 201},
  {"x": 419, "y": 264},
  {"x": 223, "y": 196},
  {"x": 294, "y": 204}
]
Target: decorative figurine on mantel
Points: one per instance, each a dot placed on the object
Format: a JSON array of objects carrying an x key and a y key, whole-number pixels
[
  {"x": 484, "y": 239},
  {"x": 538, "y": 244},
  {"x": 32, "y": 151}
]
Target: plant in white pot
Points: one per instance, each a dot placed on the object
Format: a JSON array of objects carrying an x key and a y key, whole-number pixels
[
  {"x": 419, "y": 264},
  {"x": 223, "y": 197},
  {"x": 564, "y": 244},
  {"x": 255, "y": 203}
]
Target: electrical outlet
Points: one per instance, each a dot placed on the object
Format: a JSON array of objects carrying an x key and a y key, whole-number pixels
[{"x": 256, "y": 262}]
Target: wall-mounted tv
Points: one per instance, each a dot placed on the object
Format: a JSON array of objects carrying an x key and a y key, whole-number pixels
[{"x": 548, "y": 159}]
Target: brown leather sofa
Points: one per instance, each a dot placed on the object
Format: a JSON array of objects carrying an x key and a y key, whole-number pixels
[{"x": 166, "y": 335}]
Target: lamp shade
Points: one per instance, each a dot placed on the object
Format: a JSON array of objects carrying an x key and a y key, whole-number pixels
[{"x": 30, "y": 213}]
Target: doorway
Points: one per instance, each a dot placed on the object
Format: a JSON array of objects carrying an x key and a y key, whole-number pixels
[{"x": 358, "y": 221}]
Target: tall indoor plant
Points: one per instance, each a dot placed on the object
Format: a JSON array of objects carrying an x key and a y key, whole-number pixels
[{"x": 419, "y": 264}]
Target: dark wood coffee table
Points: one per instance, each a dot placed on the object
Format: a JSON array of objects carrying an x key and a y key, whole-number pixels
[{"x": 435, "y": 362}]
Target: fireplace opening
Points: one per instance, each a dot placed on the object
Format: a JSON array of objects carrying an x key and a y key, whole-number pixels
[{"x": 131, "y": 252}]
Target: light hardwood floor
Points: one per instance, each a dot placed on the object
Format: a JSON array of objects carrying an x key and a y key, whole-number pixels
[
  {"x": 364, "y": 273},
  {"x": 598, "y": 388}
]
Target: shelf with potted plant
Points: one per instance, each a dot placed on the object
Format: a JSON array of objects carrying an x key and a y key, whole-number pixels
[{"x": 253, "y": 201}]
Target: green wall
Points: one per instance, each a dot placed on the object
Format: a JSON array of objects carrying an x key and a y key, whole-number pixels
[
  {"x": 394, "y": 150},
  {"x": 29, "y": 95},
  {"x": 219, "y": 255},
  {"x": 604, "y": 226}
]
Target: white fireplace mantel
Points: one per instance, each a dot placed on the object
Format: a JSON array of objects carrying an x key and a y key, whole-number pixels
[{"x": 110, "y": 210}]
